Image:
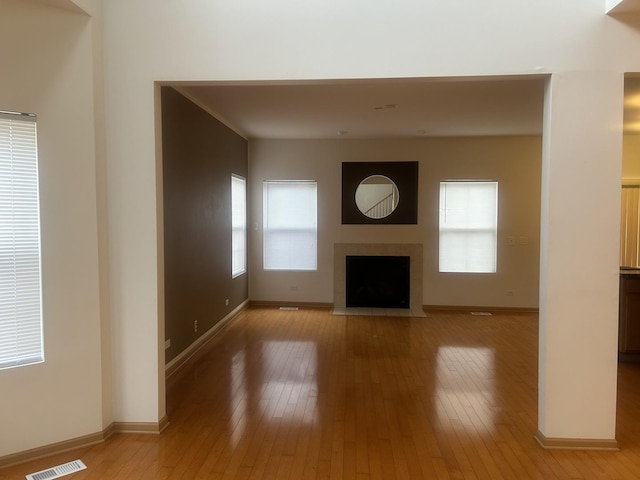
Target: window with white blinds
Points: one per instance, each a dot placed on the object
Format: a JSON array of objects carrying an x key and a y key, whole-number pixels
[
  {"x": 290, "y": 225},
  {"x": 238, "y": 225},
  {"x": 468, "y": 226},
  {"x": 630, "y": 226},
  {"x": 20, "y": 291}
]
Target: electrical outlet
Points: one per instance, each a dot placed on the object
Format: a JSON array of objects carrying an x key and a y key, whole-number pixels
[
  {"x": 195, "y": 325},
  {"x": 293, "y": 288},
  {"x": 167, "y": 343},
  {"x": 509, "y": 293},
  {"x": 226, "y": 302}
]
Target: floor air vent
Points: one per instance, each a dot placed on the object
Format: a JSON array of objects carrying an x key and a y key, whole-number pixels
[{"x": 59, "y": 471}]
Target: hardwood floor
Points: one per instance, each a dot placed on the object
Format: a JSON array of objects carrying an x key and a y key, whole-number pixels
[{"x": 304, "y": 394}]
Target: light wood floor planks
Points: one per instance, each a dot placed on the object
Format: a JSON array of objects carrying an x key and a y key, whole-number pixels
[{"x": 304, "y": 394}]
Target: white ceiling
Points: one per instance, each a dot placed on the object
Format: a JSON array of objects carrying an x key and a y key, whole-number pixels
[
  {"x": 394, "y": 108},
  {"x": 64, "y": 4},
  {"x": 377, "y": 108},
  {"x": 624, "y": 6}
]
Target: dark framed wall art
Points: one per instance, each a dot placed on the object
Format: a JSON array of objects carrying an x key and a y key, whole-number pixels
[{"x": 380, "y": 193}]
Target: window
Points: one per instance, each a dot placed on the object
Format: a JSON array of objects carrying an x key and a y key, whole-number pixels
[
  {"x": 468, "y": 226},
  {"x": 290, "y": 225},
  {"x": 630, "y": 226},
  {"x": 20, "y": 297},
  {"x": 238, "y": 225}
]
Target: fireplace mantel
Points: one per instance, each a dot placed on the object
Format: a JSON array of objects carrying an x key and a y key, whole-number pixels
[{"x": 412, "y": 250}]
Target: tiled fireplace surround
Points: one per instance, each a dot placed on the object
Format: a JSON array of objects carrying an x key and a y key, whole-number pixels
[{"x": 411, "y": 250}]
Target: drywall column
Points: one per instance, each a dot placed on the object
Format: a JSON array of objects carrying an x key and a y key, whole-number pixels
[
  {"x": 581, "y": 171},
  {"x": 137, "y": 328}
]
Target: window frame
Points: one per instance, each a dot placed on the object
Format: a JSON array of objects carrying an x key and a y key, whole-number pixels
[
  {"x": 467, "y": 232},
  {"x": 21, "y": 317},
  {"x": 238, "y": 270},
  {"x": 307, "y": 226}
]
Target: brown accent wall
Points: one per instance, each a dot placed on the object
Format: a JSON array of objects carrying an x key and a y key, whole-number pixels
[{"x": 199, "y": 156}]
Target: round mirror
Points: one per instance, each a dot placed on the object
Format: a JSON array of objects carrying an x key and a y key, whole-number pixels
[{"x": 377, "y": 196}]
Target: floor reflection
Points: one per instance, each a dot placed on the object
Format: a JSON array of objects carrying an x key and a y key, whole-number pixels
[
  {"x": 289, "y": 377},
  {"x": 465, "y": 388},
  {"x": 238, "y": 421},
  {"x": 280, "y": 385}
]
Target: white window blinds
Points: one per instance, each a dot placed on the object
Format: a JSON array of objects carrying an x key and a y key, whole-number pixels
[
  {"x": 630, "y": 226},
  {"x": 290, "y": 225},
  {"x": 468, "y": 226},
  {"x": 20, "y": 297},
  {"x": 238, "y": 225}
]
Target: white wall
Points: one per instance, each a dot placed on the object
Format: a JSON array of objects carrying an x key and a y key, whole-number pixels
[
  {"x": 149, "y": 40},
  {"x": 514, "y": 161},
  {"x": 47, "y": 68}
]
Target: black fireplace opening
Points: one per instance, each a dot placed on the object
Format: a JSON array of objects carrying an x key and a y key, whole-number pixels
[{"x": 378, "y": 281}]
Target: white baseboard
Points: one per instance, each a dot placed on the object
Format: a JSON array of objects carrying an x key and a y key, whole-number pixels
[
  {"x": 607, "y": 445},
  {"x": 56, "y": 448}
]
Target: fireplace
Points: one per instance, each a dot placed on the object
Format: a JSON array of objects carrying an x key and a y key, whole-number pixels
[
  {"x": 378, "y": 281},
  {"x": 412, "y": 251}
]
